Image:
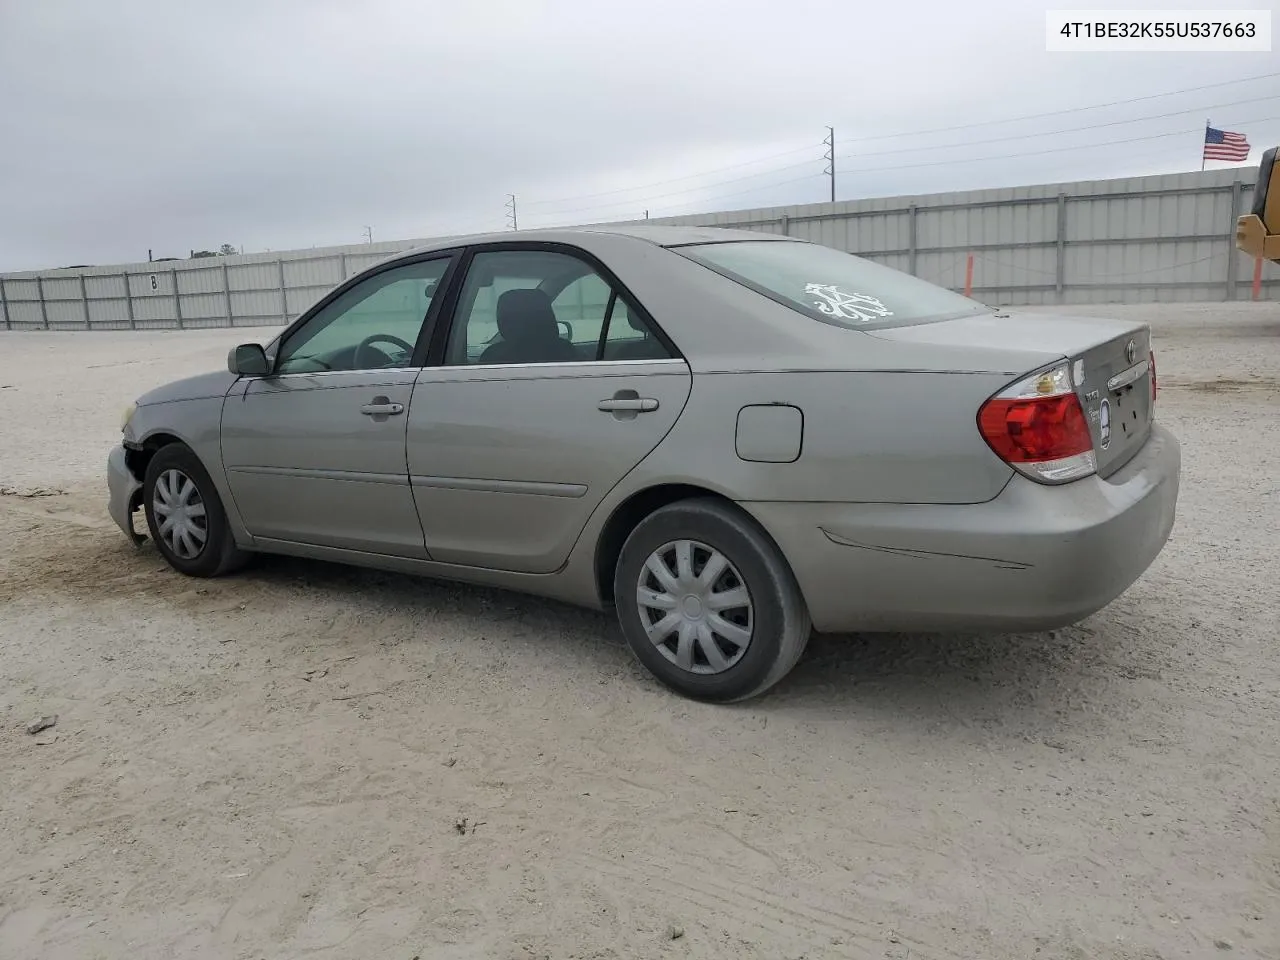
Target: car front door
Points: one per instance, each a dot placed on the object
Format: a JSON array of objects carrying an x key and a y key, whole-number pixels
[
  {"x": 315, "y": 452},
  {"x": 524, "y": 418}
]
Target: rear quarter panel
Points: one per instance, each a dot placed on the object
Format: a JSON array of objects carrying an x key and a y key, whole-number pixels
[{"x": 868, "y": 437}]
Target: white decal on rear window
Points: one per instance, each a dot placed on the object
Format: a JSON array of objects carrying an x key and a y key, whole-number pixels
[{"x": 834, "y": 302}]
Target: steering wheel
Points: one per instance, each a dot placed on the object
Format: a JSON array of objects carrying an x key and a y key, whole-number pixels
[{"x": 376, "y": 338}]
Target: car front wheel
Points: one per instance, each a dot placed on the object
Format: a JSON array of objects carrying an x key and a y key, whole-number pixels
[
  {"x": 707, "y": 602},
  {"x": 185, "y": 515}
]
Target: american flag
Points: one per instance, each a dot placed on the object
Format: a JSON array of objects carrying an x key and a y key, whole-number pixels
[{"x": 1224, "y": 145}]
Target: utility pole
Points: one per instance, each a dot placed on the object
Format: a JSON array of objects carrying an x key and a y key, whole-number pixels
[
  {"x": 368, "y": 234},
  {"x": 511, "y": 211},
  {"x": 830, "y": 157}
]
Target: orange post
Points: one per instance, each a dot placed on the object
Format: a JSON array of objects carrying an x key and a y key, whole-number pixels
[
  {"x": 1257, "y": 278},
  {"x": 968, "y": 277}
]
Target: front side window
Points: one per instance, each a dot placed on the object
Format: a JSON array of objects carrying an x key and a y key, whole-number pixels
[
  {"x": 831, "y": 285},
  {"x": 540, "y": 306},
  {"x": 372, "y": 326}
]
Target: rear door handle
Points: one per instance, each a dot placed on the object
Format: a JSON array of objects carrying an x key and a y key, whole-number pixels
[
  {"x": 382, "y": 407},
  {"x": 634, "y": 404}
]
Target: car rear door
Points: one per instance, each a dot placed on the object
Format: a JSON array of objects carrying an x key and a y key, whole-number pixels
[
  {"x": 315, "y": 452},
  {"x": 513, "y": 438}
]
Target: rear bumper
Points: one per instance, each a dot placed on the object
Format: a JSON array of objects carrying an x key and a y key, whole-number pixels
[
  {"x": 124, "y": 493},
  {"x": 1033, "y": 558}
]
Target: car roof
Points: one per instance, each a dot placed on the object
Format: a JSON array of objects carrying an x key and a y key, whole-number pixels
[
  {"x": 670, "y": 235},
  {"x": 662, "y": 235}
]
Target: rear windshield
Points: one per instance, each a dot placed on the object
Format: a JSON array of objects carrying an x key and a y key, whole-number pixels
[{"x": 830, "y": 285}]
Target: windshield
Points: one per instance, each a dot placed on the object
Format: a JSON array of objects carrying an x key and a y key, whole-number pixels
[{"x": 830, "y": 285}]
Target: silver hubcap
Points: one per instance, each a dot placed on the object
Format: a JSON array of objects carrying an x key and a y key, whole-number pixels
[
  {"x": 695, "y": 607},
  {"x": 180, "y": 516}
]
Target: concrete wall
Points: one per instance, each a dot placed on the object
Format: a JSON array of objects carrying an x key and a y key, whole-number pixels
[{"x": 1135, "y": 240}]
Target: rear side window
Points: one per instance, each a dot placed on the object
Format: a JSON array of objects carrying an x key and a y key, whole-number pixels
[{"x": 830, "y": 285}]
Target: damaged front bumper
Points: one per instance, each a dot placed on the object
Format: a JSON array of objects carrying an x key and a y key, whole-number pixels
[{"x": 125, "y": 494}]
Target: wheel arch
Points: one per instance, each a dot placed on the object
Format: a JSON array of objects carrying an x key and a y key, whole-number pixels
[
  {"x": 631, "y": 511},
  {"x": 137, "y": 458}
]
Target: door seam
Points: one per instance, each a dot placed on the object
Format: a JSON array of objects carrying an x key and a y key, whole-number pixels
[{"x": 408, "y": 478}]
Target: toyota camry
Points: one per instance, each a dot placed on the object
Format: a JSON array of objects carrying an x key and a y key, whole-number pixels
[{"x": 727, "y": 438}]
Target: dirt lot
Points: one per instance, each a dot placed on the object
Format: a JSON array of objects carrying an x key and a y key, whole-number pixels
[{"x": 305, "y": 760}]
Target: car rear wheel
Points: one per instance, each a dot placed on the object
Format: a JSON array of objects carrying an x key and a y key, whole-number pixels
[
  {"x": 707, "y": 602},
  {"x": 185, "y": 516}
]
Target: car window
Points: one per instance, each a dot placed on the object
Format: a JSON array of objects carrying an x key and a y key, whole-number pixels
[
  {"x": 374, "y": 325},
  {"x": 581, "y": 308},
  {"x": 629, "y": 337},
  {"x": 830, "y": 285},
  {"x": 538, "y": 306}
]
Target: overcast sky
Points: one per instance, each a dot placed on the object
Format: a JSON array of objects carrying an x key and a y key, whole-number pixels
[{"x": 275, "y": 124}]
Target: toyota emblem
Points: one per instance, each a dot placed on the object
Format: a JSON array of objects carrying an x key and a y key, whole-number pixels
[{"x": 1131, "y": 351}]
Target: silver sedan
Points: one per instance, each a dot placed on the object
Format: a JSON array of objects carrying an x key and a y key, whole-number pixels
[{"x": 728, "y": 438}]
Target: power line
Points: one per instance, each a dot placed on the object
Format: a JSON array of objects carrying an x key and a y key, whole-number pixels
[
  {"x": 890, "y": 136},
  {"x": 675, "y": 193},
  {"x": 917, "y": 149},
  {"x": 830, "y": 157},
  {"x": 725, "y": 196},
  {"x": 721, "y": 196},
  {"x": 663, "y": 183},
  {"x": 1054, "y": 133},
  {"x": 934, "y": 163},
  {"x": 1058, "y": 113},
  {"x": 1036, "y": 153}
]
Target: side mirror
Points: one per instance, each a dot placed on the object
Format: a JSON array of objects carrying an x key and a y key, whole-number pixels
[
  {"x": 1258, "y": 232},
  {"x": 248, "y": 360}
]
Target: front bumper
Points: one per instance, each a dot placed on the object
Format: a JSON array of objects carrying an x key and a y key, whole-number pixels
[
  {"x": 124, "y": 494},
  {"x": 1035, "y": 557}
]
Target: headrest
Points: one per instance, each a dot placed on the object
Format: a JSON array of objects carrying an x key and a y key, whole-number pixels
[
  {"x": 636, "y": 324},
  {"x": 526, "y": 315}
]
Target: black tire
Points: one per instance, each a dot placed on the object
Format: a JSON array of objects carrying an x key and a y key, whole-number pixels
[
  {"x": 779, "y": 618},
  {"x": 218, "y": 554}
]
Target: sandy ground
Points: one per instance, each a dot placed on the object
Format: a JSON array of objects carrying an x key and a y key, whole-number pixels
[{"x": 308, "y": 761}]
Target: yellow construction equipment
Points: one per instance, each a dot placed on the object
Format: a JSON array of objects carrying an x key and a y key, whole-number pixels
[{"x": 1258, "y": 232}]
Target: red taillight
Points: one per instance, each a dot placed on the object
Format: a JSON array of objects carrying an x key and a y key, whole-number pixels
[
  {"x": 1151, "y": 356},
  {"x": 1031, "y": 431},
  {"x": 1038, "y": 427}
]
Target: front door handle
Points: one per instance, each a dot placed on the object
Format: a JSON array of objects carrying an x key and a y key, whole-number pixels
[
  {"x": 381, "y": 408},
  {"x": 632, "y": 404}
]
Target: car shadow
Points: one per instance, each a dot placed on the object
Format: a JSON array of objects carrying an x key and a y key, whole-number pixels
[
  {"x": 1008, "y": 684},
  {"x": 426, "y": 597},
  {"x": 1048, "y": 687}
]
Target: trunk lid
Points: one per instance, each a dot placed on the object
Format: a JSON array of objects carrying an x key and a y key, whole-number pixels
[
  {"x": 1116, "y": 395},
  {"x": 1109, "y": 362}
]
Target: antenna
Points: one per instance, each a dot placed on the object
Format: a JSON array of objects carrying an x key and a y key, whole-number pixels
[{"x": 511, "y": 212}]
